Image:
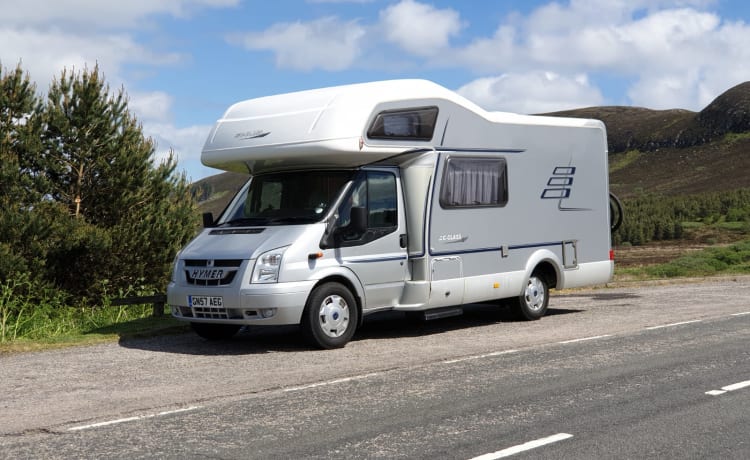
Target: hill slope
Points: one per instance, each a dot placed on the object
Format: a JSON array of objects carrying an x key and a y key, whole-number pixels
[
  {"x": 678, "y": 151},
  {"x": 668, "y": 152}
]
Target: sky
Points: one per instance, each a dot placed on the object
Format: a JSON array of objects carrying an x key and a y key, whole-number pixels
[{"x": 183, "y": 62}]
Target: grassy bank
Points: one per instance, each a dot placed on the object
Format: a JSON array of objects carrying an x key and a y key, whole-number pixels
[
  {"x": 31, "y": 319},
  {"x": 711, "y": 261}
]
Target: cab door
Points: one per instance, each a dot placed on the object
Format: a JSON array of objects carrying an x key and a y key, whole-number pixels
[{"x": 370, "y": 236}]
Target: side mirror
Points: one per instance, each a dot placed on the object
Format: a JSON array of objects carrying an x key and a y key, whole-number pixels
[
  {"x": 208, "y": 220},
  {"x": 334, "y": 236}
]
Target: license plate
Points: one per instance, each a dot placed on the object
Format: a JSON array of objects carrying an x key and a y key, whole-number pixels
[{"x": 205, "y": 301}]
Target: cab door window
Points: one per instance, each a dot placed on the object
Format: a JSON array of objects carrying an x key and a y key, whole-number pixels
[{"x": 373, "y": 199}]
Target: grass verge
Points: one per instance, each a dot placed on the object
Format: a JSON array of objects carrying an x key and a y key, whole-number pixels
[
  {"x": 147, "y": 326},
  {"x": 34, "y": 318},
  {"x": 725, "y": 260}
]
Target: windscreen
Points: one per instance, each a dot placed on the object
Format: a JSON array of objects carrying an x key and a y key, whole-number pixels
[{"x": 288, "y": 198}]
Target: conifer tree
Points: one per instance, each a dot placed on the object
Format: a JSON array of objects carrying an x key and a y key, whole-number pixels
[
  {"x": 26, "y": 228},
  {"x": 129, "y": 214}
]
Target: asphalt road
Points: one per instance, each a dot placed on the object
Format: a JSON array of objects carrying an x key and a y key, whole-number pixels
[{"x": 659, "y": 371}]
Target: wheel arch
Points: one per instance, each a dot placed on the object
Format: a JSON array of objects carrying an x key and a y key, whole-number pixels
[{"x": 546, "y": 264}]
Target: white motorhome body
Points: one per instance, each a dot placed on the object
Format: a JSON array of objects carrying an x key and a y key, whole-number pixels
[{"x": 394, "y": 195}]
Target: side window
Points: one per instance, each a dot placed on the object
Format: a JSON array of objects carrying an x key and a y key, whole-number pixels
[
  {"x": 375, "y": 192},
  {"x": 381, "y": 194},
  {"x": 474, "y": 182},
  {"x": 357, "y": 197}
]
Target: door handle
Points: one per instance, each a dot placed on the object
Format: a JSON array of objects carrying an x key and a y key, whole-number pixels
[{"x": 402, "y": 240}]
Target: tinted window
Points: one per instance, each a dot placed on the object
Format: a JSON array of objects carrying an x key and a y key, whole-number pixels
[
  {"x": 381, "y": 193},
  {"x": 374, "y": 191},
  {"x": 414, "y": 124}
]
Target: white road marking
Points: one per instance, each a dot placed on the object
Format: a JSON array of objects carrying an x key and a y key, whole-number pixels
[
  {"x": 715, "y": 392},
  {"x": 741, "y": 314},
  {"x": 674, "y": 324},
  {"x": 132, "y": 419},
  {"x": 728, "y": 388},
  {"x": 486, "y": 355},
  {"x": 332, "y": 382},
  {"x": 524, "y": 447},
  {"x": 585, "y": 339},
  {"x": 737, "y": 386}
]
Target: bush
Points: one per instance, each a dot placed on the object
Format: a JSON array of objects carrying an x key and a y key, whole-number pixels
[{"x": 656, "y": 218}]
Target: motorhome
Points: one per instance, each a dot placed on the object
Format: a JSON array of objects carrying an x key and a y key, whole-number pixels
[{"x": 394, "y": 195}]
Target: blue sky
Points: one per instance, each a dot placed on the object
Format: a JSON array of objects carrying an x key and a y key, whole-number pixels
[{"x": 183, "y": 62}]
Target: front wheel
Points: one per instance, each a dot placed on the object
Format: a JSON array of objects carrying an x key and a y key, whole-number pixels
[
  {"x": 210, "y": 331},
  {"x": 532, "y": 303},
  {"x": 330, "y": 316}
]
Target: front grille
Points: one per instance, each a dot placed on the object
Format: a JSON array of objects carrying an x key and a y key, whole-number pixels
[
  {"x": 210, "y": 312},
  {"x": 227, "y": 279},
  {"x": 208, "y": 272}
]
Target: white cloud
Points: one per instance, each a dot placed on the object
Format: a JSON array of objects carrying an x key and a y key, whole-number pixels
[
  {"x": 98, "y": 14},
  {"x": 327, "y": 43},
  {"x": 44, "y": 53},
  {"x": 46, "y": 36},
  {"x": 669, "y": 39},
  {"x": 567, "y": 38},
  {"x": 692, "y": 75},
  {"x": 534, "y": 92},
  {"x": 185, "y": 143},
  {"x": 664, "y": 91},
  {"x": 153, "y": 110},
  {"x": 333, "y": 44},
  {"x": 419, "y": 28},
  {"x": 155, "y": 106},
  {"x": 675, "y": 53}
]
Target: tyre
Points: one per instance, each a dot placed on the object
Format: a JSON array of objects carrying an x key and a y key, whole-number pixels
[
  {"x": 532, "y": 303},
  {"x": 211, "y": 331},
  {"x": 616, "y": 215},
  {"x": 330, "y": 317}
]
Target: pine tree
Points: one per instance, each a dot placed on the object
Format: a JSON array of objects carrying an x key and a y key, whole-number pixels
[
  {"x": 129, "y": 215},
  {"x": 25, "y": 217}
]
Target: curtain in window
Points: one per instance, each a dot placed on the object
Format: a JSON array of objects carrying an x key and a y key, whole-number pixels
[{"x": 474, "y": 182}]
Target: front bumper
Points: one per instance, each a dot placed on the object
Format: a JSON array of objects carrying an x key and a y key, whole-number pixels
[{"x": 261, "y": 304}]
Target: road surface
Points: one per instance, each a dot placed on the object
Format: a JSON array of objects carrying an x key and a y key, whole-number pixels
[{"x": 656, "y": 371}]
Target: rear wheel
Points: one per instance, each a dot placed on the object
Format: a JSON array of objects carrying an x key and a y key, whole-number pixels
[
  {"x": 330, "y": 317},
  {"x": 211, "y": 331},
  {"x": 532, "y": 303}
]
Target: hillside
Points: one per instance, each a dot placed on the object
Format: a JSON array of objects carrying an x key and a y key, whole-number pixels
[
  {"x": 675, "y": 152},
  {"x": 669, "y": 152}
]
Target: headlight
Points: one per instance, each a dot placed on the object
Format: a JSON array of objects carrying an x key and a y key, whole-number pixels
[{"x": 267, "y": 266}]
